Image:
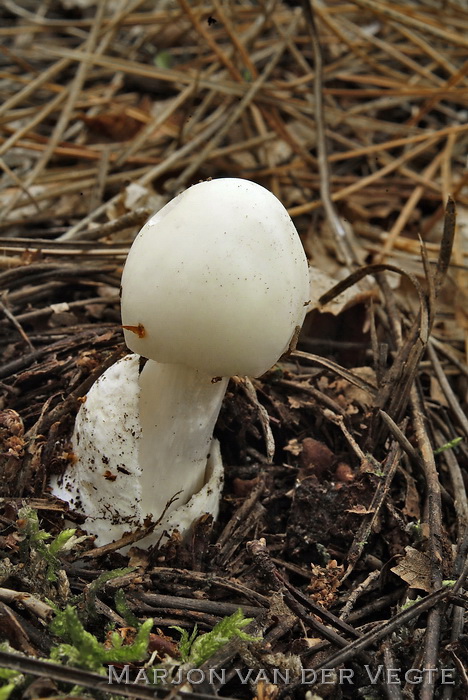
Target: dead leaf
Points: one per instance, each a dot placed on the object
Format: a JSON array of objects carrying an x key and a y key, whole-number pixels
[
  {"x": 320, "y": 283},
  {"x": 294, "y": 403},
  {"x": 415, "y": 569},
  {"x": 116, "y": 126},
  {"x": 352, "y": 397}
]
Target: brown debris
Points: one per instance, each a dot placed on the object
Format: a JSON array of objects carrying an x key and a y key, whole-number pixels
[
  {"x": 315, "y": 458},
  {"x": 336, "y": 500}
]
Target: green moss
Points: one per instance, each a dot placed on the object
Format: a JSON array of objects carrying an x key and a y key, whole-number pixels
[
  {"x": 81, "y": 648},
  {"x": 35, "y": 541},
  {"x": 197, "y": 649}
]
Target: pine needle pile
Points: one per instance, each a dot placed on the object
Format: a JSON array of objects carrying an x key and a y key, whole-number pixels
[{"x": 338, "y": 564}]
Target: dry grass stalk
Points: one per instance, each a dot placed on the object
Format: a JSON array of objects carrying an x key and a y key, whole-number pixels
[{"x": 355, "y": 116}]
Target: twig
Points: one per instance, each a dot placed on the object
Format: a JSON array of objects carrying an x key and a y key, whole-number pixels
[
  {"x": 87, "y": 679},
  {"x": 213, "y": 607},
  {"x": 434, "y": 514},
  {"x": 30, "y": 602},
  {"x": 341, "y": 235},
  {"x": 361, "y": 537},
  {"x": 375, "y": 635},
  {"x": 17, "y": 325},
  {"x": 449, "y": 394}
]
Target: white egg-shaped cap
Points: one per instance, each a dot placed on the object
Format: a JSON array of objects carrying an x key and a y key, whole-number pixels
[{"x": 216, "y": 280}]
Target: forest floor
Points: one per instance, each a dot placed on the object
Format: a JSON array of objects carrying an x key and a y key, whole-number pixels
[{"x": 342, "y": 536}]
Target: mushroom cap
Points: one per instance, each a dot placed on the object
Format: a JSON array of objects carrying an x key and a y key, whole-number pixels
[{"x": 216, "y": 280}]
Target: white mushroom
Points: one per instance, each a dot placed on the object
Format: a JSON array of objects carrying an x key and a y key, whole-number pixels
[{"x": 215, "y": 284}]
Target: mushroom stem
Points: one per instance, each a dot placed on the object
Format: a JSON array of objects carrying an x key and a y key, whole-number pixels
[{"x": 178, "y": 410}]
